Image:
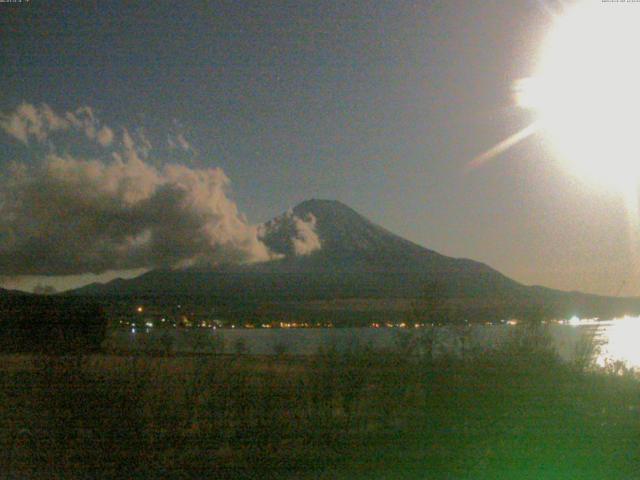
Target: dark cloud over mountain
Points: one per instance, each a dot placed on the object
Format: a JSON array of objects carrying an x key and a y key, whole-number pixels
[{"x": 68, "y": 215}]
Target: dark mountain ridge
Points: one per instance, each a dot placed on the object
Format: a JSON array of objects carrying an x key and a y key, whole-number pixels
[{"x": 5, "y": 293}]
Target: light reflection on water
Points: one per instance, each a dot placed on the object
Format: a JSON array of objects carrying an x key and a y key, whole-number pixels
[{"x": 617, "y": 339}]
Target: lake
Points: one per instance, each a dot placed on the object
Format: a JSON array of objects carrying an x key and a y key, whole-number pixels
[{"x": 617, "y": 339}]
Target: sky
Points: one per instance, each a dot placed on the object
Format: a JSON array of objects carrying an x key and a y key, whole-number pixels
[{"x": 126, "y": 127}]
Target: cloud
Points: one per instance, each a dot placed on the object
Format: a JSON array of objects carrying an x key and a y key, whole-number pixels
[
  {"x": 66, "y": 215},
  {"x": 306, "y": 239},
  {"x": 139, "y": 145},
  {"x": 30, "y": 122},
  {"x": 144, "y": 144},
  {"x": 105, "y": 136},
  {"x": 183, "y": 142},
  {"x": 28, "y": 283},
  {"x": 70, "y": 216},
  {"x": 178, "y": 141},
  {"x": 289, "y": 234}
]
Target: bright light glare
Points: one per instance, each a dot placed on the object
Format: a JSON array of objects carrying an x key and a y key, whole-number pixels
[
  {"x": 574, "y": 321},
  {"x": 586, "y": 91},
  {"x": 620, "y": 342}
]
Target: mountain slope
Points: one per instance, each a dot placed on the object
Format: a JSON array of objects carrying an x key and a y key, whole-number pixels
[
  {"x": 351, "y": 243},
  {"x": 354, "y": 254}
]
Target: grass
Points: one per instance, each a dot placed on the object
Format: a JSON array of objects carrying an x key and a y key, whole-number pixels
[{"x": 517, "y": 412}]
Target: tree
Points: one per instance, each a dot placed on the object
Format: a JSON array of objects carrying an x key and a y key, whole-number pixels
[{"x": 429, "y": 310}]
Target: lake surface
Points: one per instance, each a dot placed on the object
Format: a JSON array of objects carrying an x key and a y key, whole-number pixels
[{"x": 617, "y": 339}]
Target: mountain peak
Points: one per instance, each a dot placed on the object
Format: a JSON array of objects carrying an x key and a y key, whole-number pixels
[
  {"x": 320, "y": 203},
  {"x": 331, "y": 210},
  {"x": 346, "y": 241}
]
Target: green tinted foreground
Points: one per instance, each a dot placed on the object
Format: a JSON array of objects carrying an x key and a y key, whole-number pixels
[{"x": 515, "y": 413}]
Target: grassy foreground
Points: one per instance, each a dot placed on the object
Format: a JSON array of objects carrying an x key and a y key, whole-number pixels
[{"x": 514, "y": 413}]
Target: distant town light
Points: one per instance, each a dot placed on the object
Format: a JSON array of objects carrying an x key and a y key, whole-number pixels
[{"x": 575, "y": 320}]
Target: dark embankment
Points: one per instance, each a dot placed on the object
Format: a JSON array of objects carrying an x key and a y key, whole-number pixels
[{"x": 35, "y": 323}]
